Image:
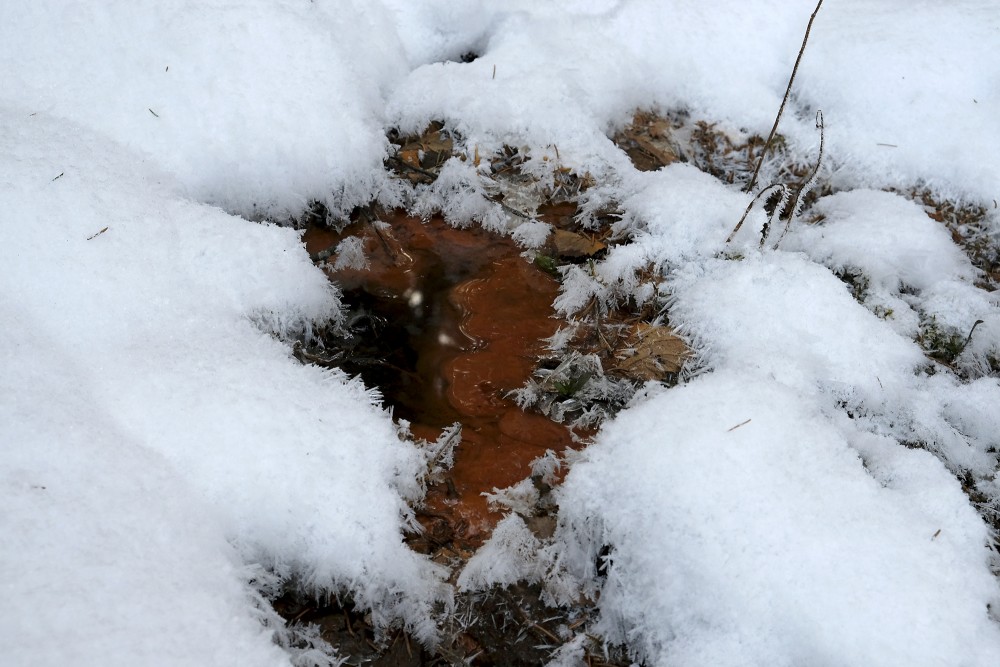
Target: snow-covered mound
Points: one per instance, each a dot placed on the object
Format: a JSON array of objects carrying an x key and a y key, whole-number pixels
[
  {"x": 150, "y": 418},
  {"x": 793, "y": 539},
  {"x": 160, "y": 448}
]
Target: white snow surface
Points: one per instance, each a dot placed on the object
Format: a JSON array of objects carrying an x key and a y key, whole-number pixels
[
  {"x": 146, "y": 344},
  {"x": 160, "y": 447},
  {"x": 791, "y": 540}
]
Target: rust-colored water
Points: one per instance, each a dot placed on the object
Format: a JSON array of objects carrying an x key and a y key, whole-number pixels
[{"x": 465, "y": 318}]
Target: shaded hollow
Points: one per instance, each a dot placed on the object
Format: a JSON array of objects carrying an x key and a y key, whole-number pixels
[{"x": 446, "y": 322}]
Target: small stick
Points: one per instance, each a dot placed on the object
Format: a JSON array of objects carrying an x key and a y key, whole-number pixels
[
  {"x": 154, "y": 113},
  {"x": 738, "y": 425},
  {"x": 969, "y": 339},
  {"x": 406, "y": 165},
  {"x": 800, "y": 196},
  {"x": 546, "y": 633},
  {"x": 106, "y": 229},
  {"x": 298, "y": 617},
  {"x": 781, "y": 109},
  {"x": 768, "y": 189},
  {"x": 378, "y": 232}
]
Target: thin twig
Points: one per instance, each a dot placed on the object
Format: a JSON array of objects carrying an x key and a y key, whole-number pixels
[
  {"x": 971, "y": 331},
  {"x": 781, "y": 109},
  {"x": 299, "y": 616},
  {"x": 808, "y": 185},
  {"x": 373, "y": 223},
  {"x": 768, "y": 189},
  {"x": 737, "y": 426},
  {"x": 406, "y": 165},
  {"x": 786, "y": 195}
]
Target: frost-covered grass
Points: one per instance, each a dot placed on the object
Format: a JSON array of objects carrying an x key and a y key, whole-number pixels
[{"x": 163, "y": 454}]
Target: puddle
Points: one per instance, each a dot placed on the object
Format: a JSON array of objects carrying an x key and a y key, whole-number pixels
[{"x": 447, "y": 322}]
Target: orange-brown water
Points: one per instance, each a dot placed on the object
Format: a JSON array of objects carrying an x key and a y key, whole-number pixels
[{"x": 460, "y": 318}]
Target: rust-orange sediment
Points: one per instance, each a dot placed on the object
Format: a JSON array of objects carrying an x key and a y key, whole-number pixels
[{"x": 480, "y": 314}]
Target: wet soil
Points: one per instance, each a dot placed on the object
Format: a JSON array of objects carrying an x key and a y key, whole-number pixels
[
  {"x": 500, "y": 627},
  {"x": 446, "y": 323}
]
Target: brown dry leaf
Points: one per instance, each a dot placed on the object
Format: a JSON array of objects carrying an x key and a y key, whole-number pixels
[
  {"x": 661, "y": 151},
  {"x": 436, "y": 142},
  {"x": 410, "y": 156},
  {"x": 660, "y": 128},
  {"x": 648, "y": 141},
  {"x": 657, "y": 351},
  {"x": 428, "y": 150},
  {"x": 436, "y": 145},
  {"x": 571, "y": 244}
]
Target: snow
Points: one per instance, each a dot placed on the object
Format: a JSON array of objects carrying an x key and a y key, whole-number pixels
[
  {"x": 790, "y": 540},
  {"x": 507, "y": 557},
  {"x": 109, "y": 560},
  {"x": 166, "y": 462},
  {"x": 255, "y": 107},
  {"x": 893, "y": 245},
  {"x": 160, "y": 331}
]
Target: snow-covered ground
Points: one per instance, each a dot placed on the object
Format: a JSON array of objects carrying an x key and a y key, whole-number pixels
[{"x": 165, "y": 460}]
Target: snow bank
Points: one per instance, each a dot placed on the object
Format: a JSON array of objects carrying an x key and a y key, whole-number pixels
[
  {"x": 806, "y": 534},
  {"x": 775, "y": 543},
  {"x": 110, "y": 557},
  {"x": 892, "y": 246},
  {"x": 257, "y": 107},
  {"x": 901, "y": 101},
  {"x": 909, "y": 92},
  {"x": 153, "y": 328}
]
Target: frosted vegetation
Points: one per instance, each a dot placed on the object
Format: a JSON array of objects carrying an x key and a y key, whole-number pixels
[{"x": 819, "y": 490}]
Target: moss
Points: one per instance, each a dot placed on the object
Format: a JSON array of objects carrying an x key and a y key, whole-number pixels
[
  {"x": 547, "y": 264},
  {"x": 940, "y": 343}
]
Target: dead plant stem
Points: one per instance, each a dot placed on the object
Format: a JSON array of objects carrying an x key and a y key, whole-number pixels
[{"x": 784, "y": 101}]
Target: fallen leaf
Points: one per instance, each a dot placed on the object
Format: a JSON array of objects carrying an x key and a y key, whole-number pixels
[
  {"x": 648, "y": 141},
  {"x": 410, "y": 156},
  {"x": 657, "y": 351},
  {"x": 572, "y": 244}
]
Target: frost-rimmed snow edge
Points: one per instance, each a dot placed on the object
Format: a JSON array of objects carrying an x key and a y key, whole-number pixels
[{"x": 137, "y": 376}]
